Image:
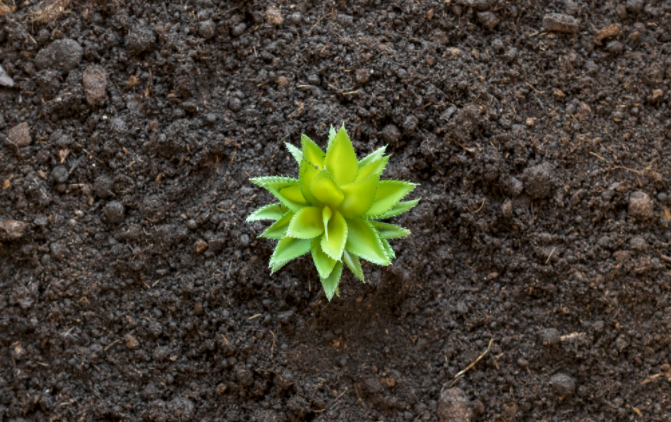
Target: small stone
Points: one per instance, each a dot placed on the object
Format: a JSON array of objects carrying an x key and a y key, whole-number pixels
[
  {"x": 103, "y": 186},
  {"x": 615, "y": 48},
  {"x": 238, "y": 29},
  {"x": 550, "y": 336},
  {"x": 510, "y": 54},
  {"x": 131, "y": 341},
  {"x": 563, "y": 385},
  {"x": 60, "y": 174},
  {"x": 462, "y": 308},
  {"x": 507, "y": 209},
  {"x": 478, "y": 5},
  {"x": 515, "y": 186},
  {"x": 488, "y": 19},
  {"x": 539, "y": 180},
  {"x": 63, "y": 55},
  {"x": 295, "y": 18},
  {"x": 12, "y": 229},
  {"x": 454, "y": 406},
  {"x": 391, "y": 134},
  {"x": 114, "y": 211},
  {"x": 207, "y": 29},
  {"x": 234, "y": 104},
  {"x": 5, "y": 79},
  {"x": 362, "y": 76},
  {"x": 410, "y": 124},
  {"x": 95, "y": 84},
  {"x": 609, "y": 31},
  {"x": 19, "y": 135},
  {"x": 634, "y": 6},
  {"x": 638, "y": 243},
  {"x": 640, "y": 205},
  {"x": 140, "y": 39},
  {"x": 559, "y": 22},
  {"x": 274, "y": 15},
  {"x": 314, "y": 79},
  {"x": 200, "y": 246},
  {"x": 523, "y": 363}
]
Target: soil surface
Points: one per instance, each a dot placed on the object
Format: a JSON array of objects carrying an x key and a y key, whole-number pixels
[{"x": 536, "y": 283}]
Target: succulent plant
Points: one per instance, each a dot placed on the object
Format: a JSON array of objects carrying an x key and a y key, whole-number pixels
[{"x": 331, "y": 210}]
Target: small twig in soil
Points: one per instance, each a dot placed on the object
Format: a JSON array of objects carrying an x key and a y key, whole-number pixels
[
  {"x": 550, "y": 256},
  {"x": 272, "y": 346},
  {"x": 112, "y": 344},
  {"x": 338, "y": 398},
  {"x": 315, "y": 25},
  {"x": 472, "y": 364},
  {"x": 483, "y": 204}
]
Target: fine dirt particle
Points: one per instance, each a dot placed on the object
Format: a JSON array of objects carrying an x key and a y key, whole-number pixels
[
  {"x": 564, "y": 385},
  {"x": 640, "y": 205},
  {"x": 454, "y": 406},
  {"x": 95, "y": 84},
  {"x": 274, "y": 15},
  {"x": 558, "y": 22},
  {"x": 391, "y": 134},
  {"x": 63, "y": 55},
  {"x": 19, "y": 135}
]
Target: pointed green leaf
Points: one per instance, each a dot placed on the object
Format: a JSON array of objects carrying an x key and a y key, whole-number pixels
[
  {"x": 306, "y": 175},
  {"x": 354, "y": 264},
  {"x": 288, "y": 249},
  {"x": 286, "y": 189},
  {"x": 312, "y": 152},
  {"x": 334, "y": 244},
  {"x": 341, "y": 159},
  {"x": 326, "y": 217},
  {"x": 275, "y": 268},
  {"x": 325, "y": 189},
  {"x": 323, "y": 262},
  {"x": 359, "y": 196},
  {"x": 297, "y": 153},
  {"x": 373, "y": 156},
  {"x": 398, "y": 209},
  {"x": 276, "y": 182},
  {"x": 390, "y": 231},
  {"x": 387, "y": 248},
  {"x": 332, "y": 134},
  {"x": 306, "y": 224},
  {"x": 330, "y": 284},
  {"x": 375, "y": 167},
  {"x": 269, "y": 212},
  {"x": 364, "y": 242},
  {"x": 389, "y": 192},
  {"x": 278, "y": 230}
]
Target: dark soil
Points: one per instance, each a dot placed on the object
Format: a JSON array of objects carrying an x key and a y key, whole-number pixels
[{"x": 131, "y": 288}]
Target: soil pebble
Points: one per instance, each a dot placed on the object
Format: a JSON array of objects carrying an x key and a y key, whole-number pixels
[
  {"x": 539, "y": 180},
  {"x": 5, "y": 79},
  {"x": 454, "y": 406},
  {"x": 478, "y": 5},
  {"x": 207, "y": 29},
  {"x": 140, "y": 39},
  {"x": 114, "y": 211},
  {"x": 63, "y": 55},
  {"x": 564, "y": 385},
  {"x": 550, "y": 336},
  {"x": 488, "y": 19},
  {"x": 239, "y": 29},
  {"x": 466, "y": 122},
  {"x": 59, "y": 174},
  {"x": 391, "y": 134},
  {"x": 95, "y": 84},
  {"x": 102, "y": 186},
  {"x": 615, "y": 48},
  {"x": 634, "y": 6},
  {"x": 640, "y": 205},
  {"x": 274, "y": 15},
  {"x": 507, "y": 208},
  {"x": 559, "y": 22},
  {"x": 19, "y": 135},
  {"x": 12, "y": 229}
]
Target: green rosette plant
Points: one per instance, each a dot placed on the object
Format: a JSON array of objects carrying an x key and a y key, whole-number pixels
[{"x": 331, "y": 210}]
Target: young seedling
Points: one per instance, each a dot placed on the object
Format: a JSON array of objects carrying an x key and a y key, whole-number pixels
[{"x": 332, "y": 209}]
